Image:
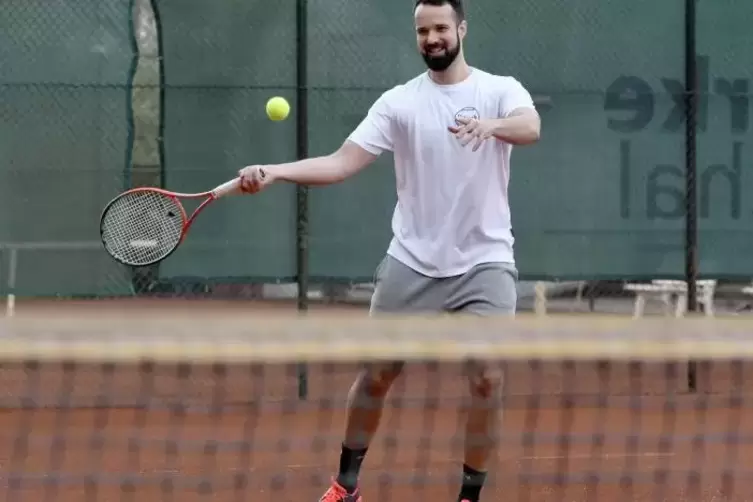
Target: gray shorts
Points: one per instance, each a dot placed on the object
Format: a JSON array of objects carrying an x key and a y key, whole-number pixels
[{"x": 486, "y": 289}]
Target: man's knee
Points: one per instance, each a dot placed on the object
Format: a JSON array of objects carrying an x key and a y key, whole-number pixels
[
  {"x": 377, "y": 378},
  {"x": 486, "y": 380}
]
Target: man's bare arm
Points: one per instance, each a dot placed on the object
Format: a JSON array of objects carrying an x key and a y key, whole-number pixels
[
  {"x": 334, "y": 168},
  {"x": 521, "y": 127}
]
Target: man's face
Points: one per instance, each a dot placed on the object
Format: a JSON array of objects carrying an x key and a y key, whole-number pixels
[{"x": 439, "y": 35}]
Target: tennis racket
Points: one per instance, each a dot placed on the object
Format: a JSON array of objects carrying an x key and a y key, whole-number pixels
[{"x": 143, "y": 226}]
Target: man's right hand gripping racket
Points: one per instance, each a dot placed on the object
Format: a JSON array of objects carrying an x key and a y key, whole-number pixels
[{"x": 143, "y": 226}]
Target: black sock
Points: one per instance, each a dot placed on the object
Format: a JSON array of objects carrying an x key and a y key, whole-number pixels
[
  {"x": 350, "y": 466},
  {"x": 473, "y": 481}
]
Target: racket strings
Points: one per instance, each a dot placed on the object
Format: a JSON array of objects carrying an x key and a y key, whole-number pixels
[{"x": 141, "y": 228}]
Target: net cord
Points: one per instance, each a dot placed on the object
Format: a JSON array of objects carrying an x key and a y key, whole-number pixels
[{"x": 331, "y": 340}]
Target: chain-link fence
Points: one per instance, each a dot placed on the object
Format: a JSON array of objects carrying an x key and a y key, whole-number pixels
[{"x": 101, "y": 95}]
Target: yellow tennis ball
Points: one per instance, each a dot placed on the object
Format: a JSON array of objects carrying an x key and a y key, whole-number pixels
[{"x": 277, "y": 108}]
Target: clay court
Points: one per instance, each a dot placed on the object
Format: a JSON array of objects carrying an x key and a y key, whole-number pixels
[{"x": 230, "y": 433}]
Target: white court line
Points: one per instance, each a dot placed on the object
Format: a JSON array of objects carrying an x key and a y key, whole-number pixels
[
  {"x": 580, "y": 456},
  {"x": 605, "y": 455},
  {"x": 453, "y": 461}
]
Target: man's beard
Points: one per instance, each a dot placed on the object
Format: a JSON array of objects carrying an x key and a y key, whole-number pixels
[{"x": 441, "y": 63}]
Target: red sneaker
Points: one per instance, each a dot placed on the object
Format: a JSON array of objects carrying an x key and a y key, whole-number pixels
[{"x": 337, "y": 493}]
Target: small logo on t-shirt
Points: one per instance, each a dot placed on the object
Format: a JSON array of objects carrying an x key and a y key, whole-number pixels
[{"x": 468, "y": 112}]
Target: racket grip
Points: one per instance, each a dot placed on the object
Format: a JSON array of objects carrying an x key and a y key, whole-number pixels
[{"x": 227, "y": 188}]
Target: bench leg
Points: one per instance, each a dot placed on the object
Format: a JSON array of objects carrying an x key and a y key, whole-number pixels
[
  {"x": 682, "y": 305},
  {"x": 640, "y": 305},
  {"x": 708, "y": 305},
  {"x": 666, "y": 299}
]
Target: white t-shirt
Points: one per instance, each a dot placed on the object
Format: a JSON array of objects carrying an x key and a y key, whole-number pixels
[{"x": 452, "y": 209}]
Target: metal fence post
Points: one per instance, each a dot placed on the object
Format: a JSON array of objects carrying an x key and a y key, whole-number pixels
[
  {"x": 302, "y": 140},
  {"x": 691, "y": 124}
]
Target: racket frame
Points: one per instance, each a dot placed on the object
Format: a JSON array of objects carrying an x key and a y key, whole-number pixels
[{"x": 211, "y": 195}]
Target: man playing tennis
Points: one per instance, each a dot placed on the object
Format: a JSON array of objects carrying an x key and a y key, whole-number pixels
[{"x": 451, "y": 131}]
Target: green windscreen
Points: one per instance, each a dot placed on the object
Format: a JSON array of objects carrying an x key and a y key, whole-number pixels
[
  {"x": 222, "y": 61},
  {"x": 600, "y": 197},
  {"x": 579, "y": 196},
  {"x": 725, "y": 144},
  {"x": 64, "y": 139}
]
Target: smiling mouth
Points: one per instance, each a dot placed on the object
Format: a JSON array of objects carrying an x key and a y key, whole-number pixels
[{"x": 436, "y": 52}]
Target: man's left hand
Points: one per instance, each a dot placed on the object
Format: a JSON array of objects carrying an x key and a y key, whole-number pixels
[{"x": 473, "y": 130}]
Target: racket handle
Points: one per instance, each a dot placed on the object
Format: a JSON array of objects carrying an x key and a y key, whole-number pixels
[{"x": 227, "y": 188}]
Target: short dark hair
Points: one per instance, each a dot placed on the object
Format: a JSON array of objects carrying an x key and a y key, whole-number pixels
[{"x": 457, "y": 6}]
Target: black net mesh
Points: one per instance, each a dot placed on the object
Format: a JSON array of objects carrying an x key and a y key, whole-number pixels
[{"x": 159, "y": 409}]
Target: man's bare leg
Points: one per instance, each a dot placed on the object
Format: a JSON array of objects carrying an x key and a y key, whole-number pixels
[
  {"x": 365, "y": 405},
  {"x": 484, "y": 419}
]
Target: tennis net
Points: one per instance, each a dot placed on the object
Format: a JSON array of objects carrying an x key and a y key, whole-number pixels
[{"x": 199, "y": 409}]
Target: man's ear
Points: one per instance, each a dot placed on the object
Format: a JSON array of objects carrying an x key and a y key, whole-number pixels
[{"x": 462, "y": 29}]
